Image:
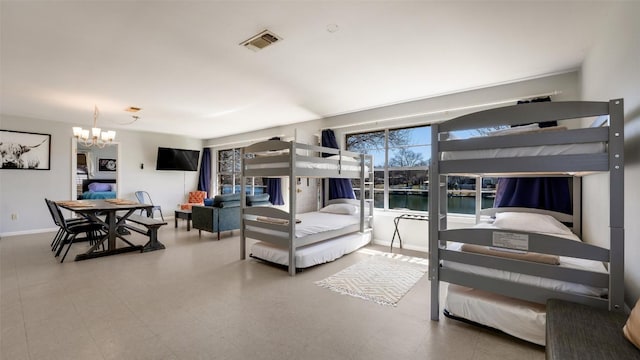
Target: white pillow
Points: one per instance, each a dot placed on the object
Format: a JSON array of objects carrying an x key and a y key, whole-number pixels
[
  {"x": 514, "y": 130},
  {"x": 343, "y": 158},
  {"x": 530, "y": 222},
  {"x": 342, "y": 209}
]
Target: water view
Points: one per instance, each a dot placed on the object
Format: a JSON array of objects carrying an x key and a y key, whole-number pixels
[{"x": 420, "y": 202}]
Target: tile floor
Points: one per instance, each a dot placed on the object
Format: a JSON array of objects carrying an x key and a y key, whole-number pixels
[{"x": 198, "y": 300}]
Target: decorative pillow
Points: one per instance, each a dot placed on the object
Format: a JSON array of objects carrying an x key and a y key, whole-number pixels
[
  {"x": 97, "y": 187},
  {"x": 631, "y": 329},
  {"x": 197, "y": 197},
  {"x": 208, "y": 202},
  {"x": 343, "y": 209},
  {"x": 531, "y": 222},
  {"x": 227, "y": 204}
]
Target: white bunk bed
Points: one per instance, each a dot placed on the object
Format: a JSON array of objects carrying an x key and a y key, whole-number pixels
[
  {"x": 306, "y": 239},
  {"x": 491, "y": 289}
]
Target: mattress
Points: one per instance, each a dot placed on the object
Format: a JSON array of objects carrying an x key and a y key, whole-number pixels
[
  {"x": 522, "y": 319},
  {"x": 564, "y": 286},
  {"x": 314, "y": 254},
  {"x": 315, "y": 222},
  {"x": 347, "y": 164},
  {"x": 547, "y": 150}
]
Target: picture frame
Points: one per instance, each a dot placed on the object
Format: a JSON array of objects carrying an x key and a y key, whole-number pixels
[
  {"x": 107, "y": 165},
  {"x": 22, "y": 150}
]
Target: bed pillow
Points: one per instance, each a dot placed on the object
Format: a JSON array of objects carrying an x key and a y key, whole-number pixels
[
  {"x": 97, "y": 187},
  {"x": 343, "y": 158},
  {"x": 342, "y": 209},
  {"x": 531, "y": 222},
  {"x": 631, "y": 329},
  {"x": 514, "y": 130}
]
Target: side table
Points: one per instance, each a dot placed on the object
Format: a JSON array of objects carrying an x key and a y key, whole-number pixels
[
  {"x": 183, "y": 214},
  {"x": 396, "y": 221}
]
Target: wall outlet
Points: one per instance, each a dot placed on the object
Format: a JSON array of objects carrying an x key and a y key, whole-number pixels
[{"x": 14, "y": 216}]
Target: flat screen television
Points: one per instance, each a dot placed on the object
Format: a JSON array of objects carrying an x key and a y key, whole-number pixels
[{"x": 177, "y": 159}]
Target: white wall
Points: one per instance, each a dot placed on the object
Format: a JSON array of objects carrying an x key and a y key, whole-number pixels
[
  {"x": 612, "y": 70},
  {"x": 22, "y": 192},
  {"x": 414, "y": 233}
]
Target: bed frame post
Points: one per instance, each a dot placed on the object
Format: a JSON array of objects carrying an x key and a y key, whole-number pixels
[
  {"x": 577, "y": 206},
  {"x": 292, "y": 209},
  {"x": 243, "y": 203},
  {"x": 616, "y": 204},
  {"x": 434, "y": 224}
]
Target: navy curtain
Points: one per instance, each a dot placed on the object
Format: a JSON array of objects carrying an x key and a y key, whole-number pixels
[
  {"x": 540, "y": 193},
  {"x": 274, "y": 186},
  {"x": 274, "y": 189},
  {"x": 204, "y": 181},
  {"x": 338, "y": 188}
]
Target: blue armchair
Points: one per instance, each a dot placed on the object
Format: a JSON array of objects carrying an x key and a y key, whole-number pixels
[{"x": 223, "y": 214}]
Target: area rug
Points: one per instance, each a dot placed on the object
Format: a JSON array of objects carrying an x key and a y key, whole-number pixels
[{"x": 383, "y": 279}]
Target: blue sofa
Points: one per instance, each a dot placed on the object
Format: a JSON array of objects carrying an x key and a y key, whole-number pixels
[{"x": 222, "y": 213}]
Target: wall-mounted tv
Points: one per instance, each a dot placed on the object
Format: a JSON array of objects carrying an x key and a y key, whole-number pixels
[{"x": 177, "y": 159}]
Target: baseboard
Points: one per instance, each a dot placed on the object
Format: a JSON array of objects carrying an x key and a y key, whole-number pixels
[{"x": 28, "y": 232}]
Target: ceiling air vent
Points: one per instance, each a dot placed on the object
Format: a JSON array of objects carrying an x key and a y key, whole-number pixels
[{"x": 261, "y": 41}]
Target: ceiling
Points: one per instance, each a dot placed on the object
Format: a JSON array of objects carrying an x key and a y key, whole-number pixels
[{"x": 181, "y": 62}]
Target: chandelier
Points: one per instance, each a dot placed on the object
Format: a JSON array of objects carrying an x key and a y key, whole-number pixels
[{"x": 95, "y": 137}]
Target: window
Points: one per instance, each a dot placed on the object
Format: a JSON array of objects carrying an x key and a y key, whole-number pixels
[
  {"x": 230, "y": 174},
  {"x": 401, "y": 171},
  {"x": 401, "y": 159}
]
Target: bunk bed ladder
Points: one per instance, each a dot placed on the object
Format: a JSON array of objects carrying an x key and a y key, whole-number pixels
[
  {"x": 616, "y": 205},
  {"x": 434, "y": 215},
  {"x": 366, "y": 190}
]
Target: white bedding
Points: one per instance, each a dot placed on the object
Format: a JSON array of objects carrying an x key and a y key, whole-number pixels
[
  {"x": 547, "y": 150},
  {"x": 316, "y": 222},
  {"x": 347, "y": 164},
  {"x": 306, "y": 165},
  {"x": 559, "y": 285},
  {"x": 522, "y": 319},
  {"x": 313, "y": 254}
]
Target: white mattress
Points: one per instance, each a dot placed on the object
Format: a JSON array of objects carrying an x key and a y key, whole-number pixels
[
  {"x": 347, "y": 164},
  {"x": 313, "y": 254},
  {"x": 547, "y": 150},
  {"x": 559, "y": 285},
  {"x": 522, "y": 319},
  {"x": 307, "y": 165},
  {"x": 315, "y": 222}
]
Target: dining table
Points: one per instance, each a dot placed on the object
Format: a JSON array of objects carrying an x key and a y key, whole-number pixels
[{"x": 112, "y": 215}]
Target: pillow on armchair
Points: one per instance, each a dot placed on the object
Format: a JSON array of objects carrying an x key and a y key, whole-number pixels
[{"x": 195, "y": 198}]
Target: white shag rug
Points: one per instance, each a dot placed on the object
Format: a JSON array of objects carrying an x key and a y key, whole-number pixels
[{"x": 383, "y": 279}]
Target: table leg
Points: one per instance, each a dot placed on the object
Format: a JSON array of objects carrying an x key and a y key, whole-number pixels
[{"x": 112, "y": 234}]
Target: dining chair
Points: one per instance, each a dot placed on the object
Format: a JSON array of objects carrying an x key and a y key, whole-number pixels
[
  {"x": 144, "y": 198},
  {"x": 92, "y": 230},
  {"x": 57, "y": 239}
]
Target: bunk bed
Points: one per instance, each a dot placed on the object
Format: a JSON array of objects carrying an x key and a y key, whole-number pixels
[
  {"x": 305, "y": 239},
  {"x": 510, "y": 293}
]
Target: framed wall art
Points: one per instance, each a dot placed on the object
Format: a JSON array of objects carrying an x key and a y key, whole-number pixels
[
  {"x": 24, "y": 150},
  {"x": 107, "y": 165}
]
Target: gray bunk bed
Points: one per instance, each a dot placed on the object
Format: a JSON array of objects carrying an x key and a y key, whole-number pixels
[
  {"x": 275, "y": 158},
  {"x": 510, "y": 155}
]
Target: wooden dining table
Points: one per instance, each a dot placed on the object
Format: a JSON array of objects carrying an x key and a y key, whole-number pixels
[{"x": 112, "y": 214}]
